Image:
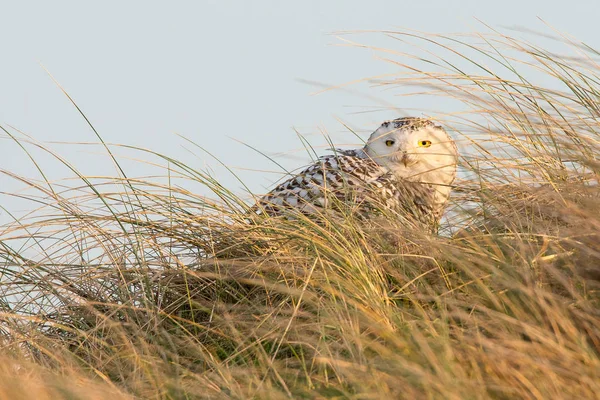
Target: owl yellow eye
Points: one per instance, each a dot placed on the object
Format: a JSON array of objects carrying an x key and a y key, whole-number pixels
[
  {"x": 424, "y": 143},
  {"x": 389, "y": 143}
]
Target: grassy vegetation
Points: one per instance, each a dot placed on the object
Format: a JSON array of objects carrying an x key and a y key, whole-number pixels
[{"x": 137, "y": 288}]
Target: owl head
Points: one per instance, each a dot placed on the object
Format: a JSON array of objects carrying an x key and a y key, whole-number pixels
[{"x": 415, "y": 149}]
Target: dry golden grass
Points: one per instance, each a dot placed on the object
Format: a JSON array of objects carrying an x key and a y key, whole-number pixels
[
  {"x": 126, "y": 287},
  {"x": 22, "y": 380}
]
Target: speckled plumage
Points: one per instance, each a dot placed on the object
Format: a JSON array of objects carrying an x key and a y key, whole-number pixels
[{"x": 364, "y": 183}]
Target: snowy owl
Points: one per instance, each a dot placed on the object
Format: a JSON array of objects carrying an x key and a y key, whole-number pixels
[{"x": 406, "y": 167}]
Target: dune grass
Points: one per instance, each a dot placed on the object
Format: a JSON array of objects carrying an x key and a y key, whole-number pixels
[{"x": 123, "y": 287}]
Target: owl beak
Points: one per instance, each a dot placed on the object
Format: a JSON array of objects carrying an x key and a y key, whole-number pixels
[
  {"x": 404, "y": 159},
  {"x": 407, "y": 159}
]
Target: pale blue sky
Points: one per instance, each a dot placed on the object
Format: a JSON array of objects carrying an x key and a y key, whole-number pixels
[{"x": 216, "y": 70}]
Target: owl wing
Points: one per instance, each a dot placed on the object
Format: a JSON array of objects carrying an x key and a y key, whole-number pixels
[{"x": 343, "y": 176}]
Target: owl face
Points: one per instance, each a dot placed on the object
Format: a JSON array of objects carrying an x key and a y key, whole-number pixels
[{"x": 415, "y": 149}]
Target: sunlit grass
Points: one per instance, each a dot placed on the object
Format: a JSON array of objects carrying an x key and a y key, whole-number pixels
[{"x": 137, "y": 287}]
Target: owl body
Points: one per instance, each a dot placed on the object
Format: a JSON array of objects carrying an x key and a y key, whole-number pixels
[{"x": 368, "y": 181}]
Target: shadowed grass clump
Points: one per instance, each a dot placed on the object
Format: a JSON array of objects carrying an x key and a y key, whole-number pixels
[{"x": 123, "y": 287}]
